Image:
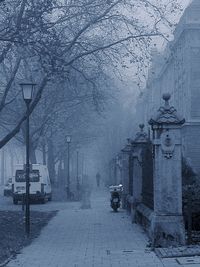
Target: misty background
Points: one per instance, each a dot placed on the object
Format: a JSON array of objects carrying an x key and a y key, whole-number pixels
[{"x": 90, "y": 70}]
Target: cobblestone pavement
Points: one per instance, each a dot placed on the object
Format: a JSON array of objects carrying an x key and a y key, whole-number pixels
[{"x": 91, "y": 238}]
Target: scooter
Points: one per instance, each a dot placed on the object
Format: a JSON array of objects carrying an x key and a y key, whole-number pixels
[{"x": 115, "y": 201}]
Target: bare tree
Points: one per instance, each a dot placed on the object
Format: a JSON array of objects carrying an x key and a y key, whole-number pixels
[{"x": 55, "y": 39}]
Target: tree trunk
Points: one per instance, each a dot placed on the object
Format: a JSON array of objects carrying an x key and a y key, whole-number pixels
[
  {"x": 51, "y": 161},
  {"x": 33, "y": 158},
  {"x": 44, "y": 154},
  {"x": 60, "y": 173},
  {"x": 2, "y": 166},
  {"x": 18, "y": 126}
]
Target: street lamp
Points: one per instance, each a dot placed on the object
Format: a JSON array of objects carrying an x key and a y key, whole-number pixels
[
  {"x": 77, "y": 174},
  {"x": 68, "y": 139},
  {"x": 27, "y": 90}
]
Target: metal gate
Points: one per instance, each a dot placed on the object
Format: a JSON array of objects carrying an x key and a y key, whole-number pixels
[{"x": 147, "y": 176}]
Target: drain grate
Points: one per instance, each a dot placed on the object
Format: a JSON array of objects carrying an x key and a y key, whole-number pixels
[
  {"x": 122, "y": 252},
  {"x": 188, "y": 260}
]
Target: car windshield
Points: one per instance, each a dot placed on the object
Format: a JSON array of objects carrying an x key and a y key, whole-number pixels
[{"x": 21, "y": 176}]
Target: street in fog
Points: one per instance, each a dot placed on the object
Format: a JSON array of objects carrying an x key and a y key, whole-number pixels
[{"x": 99, "y": 133}]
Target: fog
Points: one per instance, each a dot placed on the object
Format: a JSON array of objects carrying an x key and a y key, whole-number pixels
[{"x": 99, "y": 130}]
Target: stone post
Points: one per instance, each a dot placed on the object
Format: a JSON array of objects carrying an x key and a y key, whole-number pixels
[
  {"x": 167, "y": 227},
  {"x": 125, "y": 177},
  {"x": 138, "y": 144},
  {"x": 118, "y": 169}
]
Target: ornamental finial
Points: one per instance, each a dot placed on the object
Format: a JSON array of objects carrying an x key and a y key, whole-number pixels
[
  {"x": 166, "y": 114},
  {"x": 166, "y": 97},
  {"x": 141, "y": 127}
]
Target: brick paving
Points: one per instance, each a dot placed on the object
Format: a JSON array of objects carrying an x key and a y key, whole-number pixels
[{"x": 96, "y": 237}]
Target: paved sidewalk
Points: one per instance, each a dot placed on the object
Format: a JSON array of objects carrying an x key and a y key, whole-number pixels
[{"x": 96, "y": 237}]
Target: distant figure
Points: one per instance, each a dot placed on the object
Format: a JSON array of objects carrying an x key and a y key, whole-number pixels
[{"x": 98, "y": 178}]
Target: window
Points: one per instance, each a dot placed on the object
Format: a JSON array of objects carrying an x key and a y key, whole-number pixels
[{"x": 21, "y": 176}]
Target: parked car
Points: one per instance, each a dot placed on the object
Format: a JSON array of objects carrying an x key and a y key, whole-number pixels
[
  {"x": 7, "y": 192},
  {"x": 40, "y": 185}
]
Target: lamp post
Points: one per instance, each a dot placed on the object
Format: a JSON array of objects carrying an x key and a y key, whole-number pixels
[
  {"x": 77, "y": 174},
  {"x": 68, "y": 161},
  {"x": 27, "y": 90}
]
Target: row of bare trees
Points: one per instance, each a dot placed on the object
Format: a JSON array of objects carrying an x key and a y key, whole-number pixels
[{"x": 71, "y": 49}]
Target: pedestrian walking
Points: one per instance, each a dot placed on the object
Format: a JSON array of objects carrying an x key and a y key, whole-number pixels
[{"x": 98, "y": 178}]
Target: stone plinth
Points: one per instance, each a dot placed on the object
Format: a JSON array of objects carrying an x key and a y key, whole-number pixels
[{"x": 167, "y": 230}]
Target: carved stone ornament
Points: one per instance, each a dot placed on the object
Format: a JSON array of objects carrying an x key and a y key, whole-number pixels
[
  {"x": 166, "y": 114},
  {"x": 141, "y": 137},
  {"x": 167, "y": 144},
  {"x": 128, "y": 148}
]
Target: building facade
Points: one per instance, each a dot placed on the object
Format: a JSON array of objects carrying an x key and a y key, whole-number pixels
[{"x": 177, "y": 71}]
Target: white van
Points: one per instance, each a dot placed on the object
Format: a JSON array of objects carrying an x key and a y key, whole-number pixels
[{"x": 40, "y": 185}]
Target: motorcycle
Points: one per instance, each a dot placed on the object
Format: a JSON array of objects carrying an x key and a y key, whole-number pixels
[{"x": 115, "y": 200}]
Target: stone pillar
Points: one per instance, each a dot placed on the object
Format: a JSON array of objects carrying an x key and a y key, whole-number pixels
[
  {"x": 132, "y": 155},
  {"x": 167, "y": 226},
  {"x": 125, "y": 177},
  {"x": 138, "y": 145}
]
